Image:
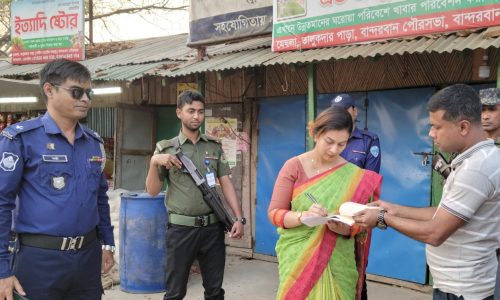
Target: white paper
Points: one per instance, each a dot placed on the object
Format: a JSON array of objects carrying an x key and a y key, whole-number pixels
[
  {"x": 312, "y": 221},
  {"x": 346, "y": 210},
  {"x": 351, "y": 208}
]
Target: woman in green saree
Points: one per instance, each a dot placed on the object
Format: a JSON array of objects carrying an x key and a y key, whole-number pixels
[{"x": 326, "y": 262}]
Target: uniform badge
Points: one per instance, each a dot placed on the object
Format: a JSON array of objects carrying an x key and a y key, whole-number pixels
[
  {"x": 6, "y": 134},
  {"x": 9, "y": 161},
  {"x": 51, "y": 146},
  {"x": 55, "y": 158},
  {"x": 375, "y": 151},
  {"x": 58, "y": 183},
  {"x": 223, "y": 158},
  {"x": 103, "y": 153}
]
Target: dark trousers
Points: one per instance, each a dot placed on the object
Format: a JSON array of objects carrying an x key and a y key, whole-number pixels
[
  {"x": 184, "y": 245},
  {"x": 60, "y": 275},
  {"x": 438, "y": 295}
]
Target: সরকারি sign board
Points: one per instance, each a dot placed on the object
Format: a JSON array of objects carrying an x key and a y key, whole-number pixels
[
  {"x": 307, "y": 24},
  {"x": 213, "y": 21},
  {"x": 44, "y": 30}
]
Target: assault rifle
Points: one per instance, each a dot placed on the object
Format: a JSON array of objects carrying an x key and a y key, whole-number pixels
[
  {"x": 210, "y": 195},
  {"x": 441, "y": 165},
  {"x": 439, "y": 162}
]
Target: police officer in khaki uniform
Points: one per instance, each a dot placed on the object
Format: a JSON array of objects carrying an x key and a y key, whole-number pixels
[
  {"x": 193, "y": 232},
  {"x": 490, "y": 117}
]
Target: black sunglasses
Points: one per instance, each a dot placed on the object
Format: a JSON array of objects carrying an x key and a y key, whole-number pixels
[{"x": 77, "y": 92}]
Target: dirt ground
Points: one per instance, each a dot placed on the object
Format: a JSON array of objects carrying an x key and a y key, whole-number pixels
[{"x": 252, "y": 279}]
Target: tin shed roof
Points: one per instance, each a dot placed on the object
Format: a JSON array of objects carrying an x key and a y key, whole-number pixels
[
  {"x": 150, "y": 56},
  {"x": 145, "y": 52},
  {"x": 259, "y": 52},
  {"x": 128, "y": 72}
]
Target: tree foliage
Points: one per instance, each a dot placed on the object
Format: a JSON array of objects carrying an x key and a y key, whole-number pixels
[
  {"x": 4, "y": 26},
  {"x": 103, "y": 10}
]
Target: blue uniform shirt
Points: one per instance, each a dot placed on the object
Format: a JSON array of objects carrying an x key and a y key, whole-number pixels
[
  {"x": 363, "y": 150},
  {"x": 56, "y": 188}
]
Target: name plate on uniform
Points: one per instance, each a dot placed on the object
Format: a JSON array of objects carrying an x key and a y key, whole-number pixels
[{"x": 55, "y": 158}]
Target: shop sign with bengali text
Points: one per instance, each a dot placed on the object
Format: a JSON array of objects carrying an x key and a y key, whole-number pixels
[
  {"x": 215, "y": 21},
  {"x": 308, "y": 24},
  {"x": 44, "y": 30}
]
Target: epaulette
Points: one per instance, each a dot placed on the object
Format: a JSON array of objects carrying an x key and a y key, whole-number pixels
[
  {"x": 16, "y": 129},
  {"x": 213, "y": 139},
  {"x": 92, "y": 133},
  {"x": 370, "y": 134},
  {"x": 164, "y": 144}
]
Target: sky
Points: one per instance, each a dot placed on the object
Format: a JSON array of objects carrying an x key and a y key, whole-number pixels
[{"x": 134, "y": 26}]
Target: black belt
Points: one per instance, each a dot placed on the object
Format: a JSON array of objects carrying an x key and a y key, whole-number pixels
[
  {"x": 193, "y": 221},
  {"x": 57, "y": 242}
]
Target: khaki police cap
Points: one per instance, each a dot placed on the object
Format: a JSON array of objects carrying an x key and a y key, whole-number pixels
[{"x": 490, "y": 96}]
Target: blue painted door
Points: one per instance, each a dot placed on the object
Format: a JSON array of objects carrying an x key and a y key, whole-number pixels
[
  {"x": 281, "y": 136},
  {"x": 400, "y": 119}
]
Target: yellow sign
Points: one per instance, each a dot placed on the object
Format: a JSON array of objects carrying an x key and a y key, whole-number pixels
[
  {"x": 186, "y": 86},
  {"x": 225, "y": 130}
]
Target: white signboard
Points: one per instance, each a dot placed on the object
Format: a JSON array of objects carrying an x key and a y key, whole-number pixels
[{"x": 44, "y": 30}]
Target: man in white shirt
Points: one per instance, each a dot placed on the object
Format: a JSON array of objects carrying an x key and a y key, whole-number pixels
[{"x": 462, "y": 232}]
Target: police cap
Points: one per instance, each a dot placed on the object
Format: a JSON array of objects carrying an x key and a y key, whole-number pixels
[{"x": 343, "y": 100}]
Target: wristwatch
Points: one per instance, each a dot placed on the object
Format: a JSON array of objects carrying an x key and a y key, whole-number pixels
[
  {"x": 380, "y": 220},
  {"x": 242, "y": 220},
  {"x": 108, "y": 247}
]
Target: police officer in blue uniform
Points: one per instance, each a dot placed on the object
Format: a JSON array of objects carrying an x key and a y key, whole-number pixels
[
  {"x": 363, "y": 148},
  {"x": 53, "y": 195}
]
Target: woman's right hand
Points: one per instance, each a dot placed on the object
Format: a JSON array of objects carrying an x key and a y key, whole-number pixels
[{"x": 316, "y": 210}]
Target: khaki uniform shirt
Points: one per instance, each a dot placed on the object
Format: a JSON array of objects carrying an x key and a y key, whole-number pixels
[{"x": 183, "y": 196}]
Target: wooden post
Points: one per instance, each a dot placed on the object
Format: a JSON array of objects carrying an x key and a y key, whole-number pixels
[
  {"x": 202, "y": 52},
  {"x": 91, "y": 21},
  {"x": 201, "y": 83}
]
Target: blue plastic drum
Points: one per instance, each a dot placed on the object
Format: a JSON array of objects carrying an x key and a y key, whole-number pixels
[{"x": 143, "y": 221}]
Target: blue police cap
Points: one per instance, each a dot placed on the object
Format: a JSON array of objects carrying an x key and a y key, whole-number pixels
[{"x": 343, "y": 100}]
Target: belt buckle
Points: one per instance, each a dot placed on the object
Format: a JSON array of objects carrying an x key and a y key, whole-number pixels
[
  {"x": 72, "y": 243},
  {"x": 199, "y": 221}
]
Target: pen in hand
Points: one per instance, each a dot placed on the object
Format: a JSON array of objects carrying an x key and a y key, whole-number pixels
[
  {"x": 319, "y": 210},
  {"x": 311, "y": 197}
]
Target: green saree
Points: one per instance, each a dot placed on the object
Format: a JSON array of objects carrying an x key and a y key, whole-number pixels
[{"x": 316, "y": 263}]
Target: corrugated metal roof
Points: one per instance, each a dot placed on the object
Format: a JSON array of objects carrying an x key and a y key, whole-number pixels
[
  {"x": 259, "y": 53},
  {"x": 9, "y": 69},
  {"x": 149, "y": 54},
  {"x": 128, "y": 72},
  {"x": 144, "y": 51},
  {"x": 254, "y": 43}
]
